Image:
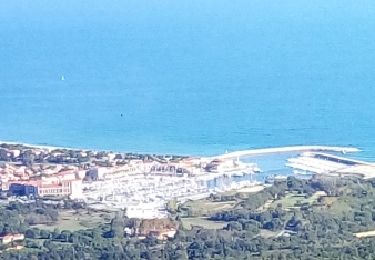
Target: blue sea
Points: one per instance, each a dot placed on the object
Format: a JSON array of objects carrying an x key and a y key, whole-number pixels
[{"x": 188, "y": 77}]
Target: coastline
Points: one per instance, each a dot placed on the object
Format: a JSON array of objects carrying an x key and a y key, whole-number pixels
[
  {"x": 45, "y": 147},
  {"x": 54, "y": 147},
  {"x": 149, "y": 182},
  {"x": 226, "y": 155}
]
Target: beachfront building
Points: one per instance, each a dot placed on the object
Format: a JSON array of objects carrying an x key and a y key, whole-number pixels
[
  {"x": 9, "y": 155},
  {"x": 23, "y": 190},
  {"x": 68, "y": 188},
  {"x": 58, "y": 187},
  {"x": 97, "y": 173},
  {"x": 6, "y": 155}
]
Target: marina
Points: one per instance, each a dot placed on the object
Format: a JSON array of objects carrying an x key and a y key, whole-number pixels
[
  {"x": 146, "y": 195},
  {"x": 143, "y": 186}
]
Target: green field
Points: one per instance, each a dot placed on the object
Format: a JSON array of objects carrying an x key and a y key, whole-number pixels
[
  {"x": 73, "y": 220},
  {"x": 341, "y": 206},
  {"x": 206, "y": 208},
  {"x": 187, "y": 223},
  {"x": 290, "y": 199},
  {"x": 207, "y": 205}
]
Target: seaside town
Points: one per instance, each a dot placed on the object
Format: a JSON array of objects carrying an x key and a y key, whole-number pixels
[
  {"x": 139, "y": 184},
  {"x": 142, "y": 196},
  {"x": 143, "y": 184}
]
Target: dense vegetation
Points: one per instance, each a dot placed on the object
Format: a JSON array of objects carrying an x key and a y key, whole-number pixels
[{"x": 312, "y": 228}]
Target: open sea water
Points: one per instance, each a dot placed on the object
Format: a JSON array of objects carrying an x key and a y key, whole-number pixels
[{"x": 189, "y": 77}]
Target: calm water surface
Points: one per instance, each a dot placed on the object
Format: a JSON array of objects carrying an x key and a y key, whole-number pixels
[{"x": 191, "y": 77}]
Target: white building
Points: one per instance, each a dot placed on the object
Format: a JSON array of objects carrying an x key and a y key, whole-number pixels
[{"x": 97, "y": 173}]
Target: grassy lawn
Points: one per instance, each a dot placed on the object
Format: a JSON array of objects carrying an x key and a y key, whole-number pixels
[
  {"x": 288, "y": 201},
  {"x": 73, "y": 221},
  {"x": 187, "y": 223},
  {"x": 267, "y": 205},
  {"x": 340, "y": 206},
  {"x": 330, "y": 200},
  {"x": 207, "y": 205},
  {"x": 245, "y": 192},
  {"x": 268, "y": 233},
  {"x": 292, "y": 198},
  {"x": 62, "y": 225}
]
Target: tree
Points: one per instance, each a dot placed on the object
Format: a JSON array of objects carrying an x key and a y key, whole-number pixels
[
  {"x": 56, "y": 234},
  {"x": 32, "y": 233},
  {"x": 117, "y": 226},
  {"x": 45, "y": 234}
]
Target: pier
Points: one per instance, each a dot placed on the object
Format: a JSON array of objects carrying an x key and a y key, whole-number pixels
[
  {"x": 332, "y": 165},
  {"x": 290, "y": 149}
]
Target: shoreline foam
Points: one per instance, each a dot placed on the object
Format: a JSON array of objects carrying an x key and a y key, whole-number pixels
[{"x": 229, "y": 155}]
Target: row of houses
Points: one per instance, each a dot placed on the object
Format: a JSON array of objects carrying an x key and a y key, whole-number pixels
[
  {"x": 61, "y": 180},
  {"x": 50, "y": 182},
  {"x": 44, "y": 189}
]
